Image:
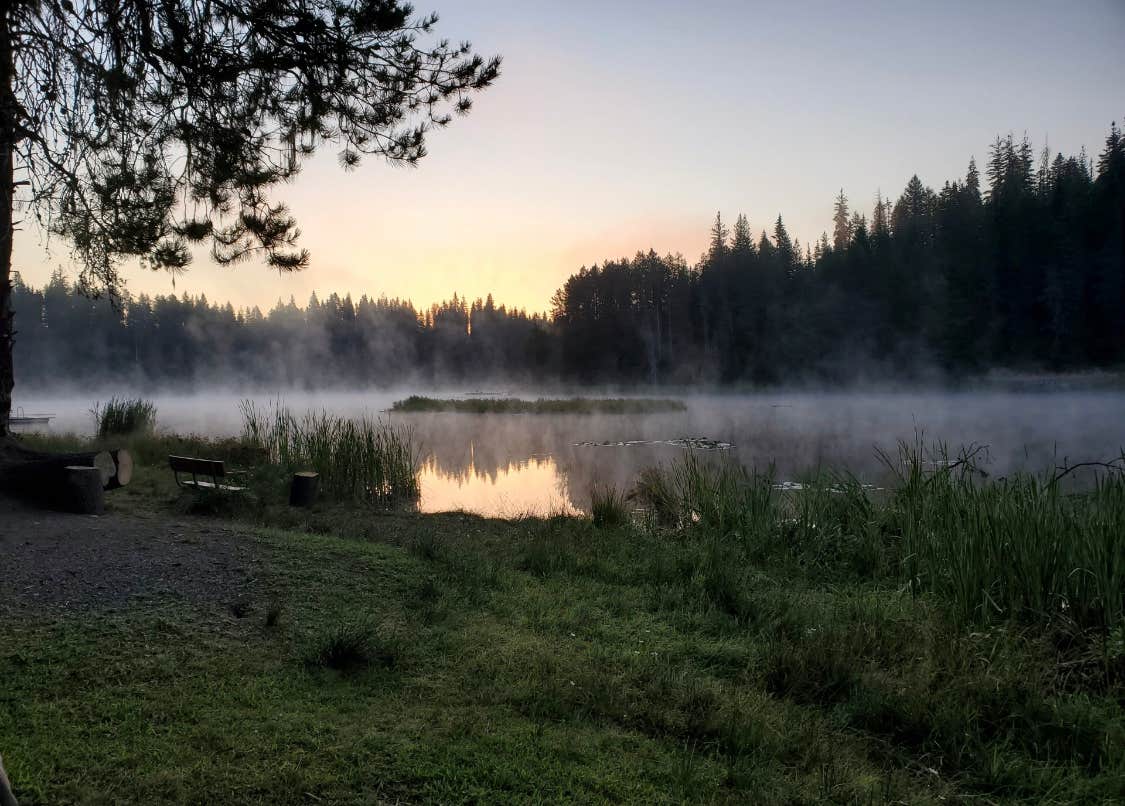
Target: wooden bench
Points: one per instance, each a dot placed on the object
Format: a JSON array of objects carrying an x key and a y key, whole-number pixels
[{"x": 213, "y": 468}]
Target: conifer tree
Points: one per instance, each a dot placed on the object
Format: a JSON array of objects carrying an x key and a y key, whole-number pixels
[
  {"x": 743, "y": 241},
  {"x": 719, "y": 236},
  {"x": 145, "y": 128},
  {"x": 842, "y": 223}
]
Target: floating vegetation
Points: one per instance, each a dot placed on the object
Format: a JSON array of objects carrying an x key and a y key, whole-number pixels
[
  {"x": 691, "y": 443},
  {"x": 512, "y": 405},
  {"x": 801, "y": 486}
]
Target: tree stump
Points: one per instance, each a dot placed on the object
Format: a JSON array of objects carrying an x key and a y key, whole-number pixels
[
  {"x": 302, "y": 492},
  {"x": 83, "y": 490}
]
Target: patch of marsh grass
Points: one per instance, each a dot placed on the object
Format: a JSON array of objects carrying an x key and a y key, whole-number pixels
[
  {"x": 124, "y": 416},
  {"x": 358, "y": 460},
  {"x": 609, "y": 508},
  {"x": 1019, "y": 548},
  {"x": 1013, "y": 548}
]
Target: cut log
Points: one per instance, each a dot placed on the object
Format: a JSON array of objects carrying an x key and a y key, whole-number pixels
[
  {"x": 122, "y": 469},
  {"x": 84, "y": 490},
  {"x": 39, "y": 470},
  {"x": 302, "y": 492},
  {"x": 35, "y": 470}
]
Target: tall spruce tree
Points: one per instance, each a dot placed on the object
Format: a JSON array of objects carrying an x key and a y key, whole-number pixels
[{"x": 841, "y": 223}]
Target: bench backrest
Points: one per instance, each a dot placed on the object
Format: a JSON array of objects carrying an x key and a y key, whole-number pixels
[{"x": 199, "y": 467}]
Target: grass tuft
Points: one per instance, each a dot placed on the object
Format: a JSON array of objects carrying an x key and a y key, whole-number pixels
[
  {"x": 124, "y": 417},
  {"x": 608, "y": 507},
  {"x": 352, "y": 646}
]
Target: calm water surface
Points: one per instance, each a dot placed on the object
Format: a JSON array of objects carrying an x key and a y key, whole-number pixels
[{"x": 516, "y": 464}]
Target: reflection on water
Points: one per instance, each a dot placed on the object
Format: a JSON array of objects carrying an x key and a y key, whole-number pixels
[
  {"x": 534, "y": 486},
  {"x": 515, "y": 464}
]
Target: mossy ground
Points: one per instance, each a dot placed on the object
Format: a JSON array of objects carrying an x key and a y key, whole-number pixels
[{"x": 542, "y": 660}]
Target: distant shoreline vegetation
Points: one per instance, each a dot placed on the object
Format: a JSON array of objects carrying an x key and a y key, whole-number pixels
[
  {"x": 1018, "y": 265},
  {"x": 511, "y": 405}
]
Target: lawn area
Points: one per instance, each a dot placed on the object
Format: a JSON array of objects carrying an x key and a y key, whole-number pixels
[{"x": 448, "y": 658}]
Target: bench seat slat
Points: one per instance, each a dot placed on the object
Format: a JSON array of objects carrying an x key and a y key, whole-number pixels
[
  {"x": 200, "y": 467},
  {"x": 206, "y": 485}
]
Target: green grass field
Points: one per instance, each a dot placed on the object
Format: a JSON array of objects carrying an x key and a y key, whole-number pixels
[{"x": 771, "y": 649}]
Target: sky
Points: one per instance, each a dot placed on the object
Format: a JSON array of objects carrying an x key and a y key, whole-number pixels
[{"x": 624, "y": 126}]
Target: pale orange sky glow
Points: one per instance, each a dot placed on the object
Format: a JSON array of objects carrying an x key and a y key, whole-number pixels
[{"x": 625, "y": 127}]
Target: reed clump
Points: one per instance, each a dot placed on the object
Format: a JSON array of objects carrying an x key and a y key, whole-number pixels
[
  {"x": 125, "y": 416},
  {"x": 608, "y": 507},
  {"x": 357, "y": 459},
  {"x": 1023, "y": 548}
]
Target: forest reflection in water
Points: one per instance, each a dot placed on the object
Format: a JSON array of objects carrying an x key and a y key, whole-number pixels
[{"x": 534, "y": 486}]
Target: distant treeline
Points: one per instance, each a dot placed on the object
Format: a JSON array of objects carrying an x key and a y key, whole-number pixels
[{"x": 1029, "y": 273}]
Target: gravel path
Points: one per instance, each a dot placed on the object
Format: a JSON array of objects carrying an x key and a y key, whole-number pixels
[{"x": 52, "y": 561}]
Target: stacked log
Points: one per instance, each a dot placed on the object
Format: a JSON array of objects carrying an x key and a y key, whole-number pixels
[
  {"x": 52, "y": 478},
  {"x": 122, "y": 469}
]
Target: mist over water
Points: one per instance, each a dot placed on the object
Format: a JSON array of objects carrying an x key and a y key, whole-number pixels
[{"x": 504, "y": 464}]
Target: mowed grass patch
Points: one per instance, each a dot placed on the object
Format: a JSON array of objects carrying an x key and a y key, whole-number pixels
[
  {"x": 182, "y": 704},
  {"x": 514, "y": 684}
]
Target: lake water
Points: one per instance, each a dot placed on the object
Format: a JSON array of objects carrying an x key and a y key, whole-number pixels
[{"x": 508, "y": 465}]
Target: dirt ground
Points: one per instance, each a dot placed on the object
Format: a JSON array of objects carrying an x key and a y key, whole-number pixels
[{"x": 56, "y": 561}]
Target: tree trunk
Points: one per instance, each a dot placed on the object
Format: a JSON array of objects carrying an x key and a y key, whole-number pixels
[{"x": 8, "y": 136}]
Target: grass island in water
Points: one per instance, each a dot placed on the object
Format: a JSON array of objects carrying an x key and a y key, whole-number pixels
[{"x": 512, "y": 405}]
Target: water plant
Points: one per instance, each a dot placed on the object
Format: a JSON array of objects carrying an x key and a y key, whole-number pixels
[
  {"x": 357, "y": 459},
  {"x": 608, "y": 507},
  {"x": 1021, "y": 548},
  {"x": 124, "y": 416}
]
